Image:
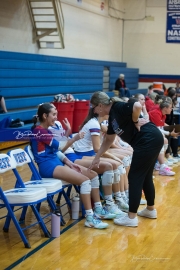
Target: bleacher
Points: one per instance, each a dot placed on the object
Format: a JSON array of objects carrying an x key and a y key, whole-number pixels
[{"x": 27, "y": 80}]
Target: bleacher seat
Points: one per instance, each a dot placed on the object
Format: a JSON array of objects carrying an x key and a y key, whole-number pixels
[{"x": 27, "y": 80}]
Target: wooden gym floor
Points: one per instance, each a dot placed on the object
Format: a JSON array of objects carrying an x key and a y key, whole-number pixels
[{"x": 154, "y": 244}]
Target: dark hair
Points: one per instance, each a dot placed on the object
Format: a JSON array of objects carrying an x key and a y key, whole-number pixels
[
  {"x": 171, "y": 93},
  {"x": 164, "y": 87},
  {"x": 43, "y": 108},
  {"x": 132, "y": 99},
  {"x": 163, "y": 101},
  {"x": 150, "y": 87}
]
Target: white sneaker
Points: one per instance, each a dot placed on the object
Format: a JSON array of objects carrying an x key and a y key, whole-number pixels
[
  {"x": 168, "y": 163},
  {"x": 147, "y": 213},
  {"x": 125, "y": 199},
  {"x": 166, "y": 171},
  {"x": 173, "y": 160},
  {"x": 123, "y": 206},
  {"x": 142, "y": 201},
  {"x": 177, "y": 157},
  {"x": 94, "y": 222},
  {"x": 103, "y": 213},
  {"x": 157, "y": 166},
  {"x": 126, "y": 221},
  {"x": 113, "y": 209}
]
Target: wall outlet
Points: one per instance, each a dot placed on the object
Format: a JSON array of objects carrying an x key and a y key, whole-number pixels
[{"x": 149, "y": 18}]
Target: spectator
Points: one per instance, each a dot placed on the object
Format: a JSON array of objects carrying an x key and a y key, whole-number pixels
[
  {"x": 3, "y": 105},
  {"x": 149, "y": 101},
  {"x": 120, "y": 85},
  {"x": 177, "y": 89}
]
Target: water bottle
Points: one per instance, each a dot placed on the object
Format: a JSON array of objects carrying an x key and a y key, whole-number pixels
[
  {"x": 55, "y": 224},
  {"x": 75, "y": 207}
]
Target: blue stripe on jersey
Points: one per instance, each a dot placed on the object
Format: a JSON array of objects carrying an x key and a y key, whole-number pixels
[{"x": 94, "y": 130}]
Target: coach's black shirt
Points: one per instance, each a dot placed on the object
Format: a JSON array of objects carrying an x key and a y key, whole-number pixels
[{"x": 120, "y": 123}]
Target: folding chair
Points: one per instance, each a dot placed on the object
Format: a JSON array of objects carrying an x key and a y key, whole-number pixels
[
  {"x": 23, "y": 197},
  {"x": 52, "y": 186},
  {"x": 65, "y": 184}
]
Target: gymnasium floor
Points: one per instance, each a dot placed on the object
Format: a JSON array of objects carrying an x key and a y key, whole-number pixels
[{"x": 154, "y": 244}]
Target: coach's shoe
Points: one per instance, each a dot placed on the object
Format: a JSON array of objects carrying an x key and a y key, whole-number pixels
[
  {"x": 103, "y": 213},
  {"x": 166, "y": 171},
  {"x": 113, "y": 209},
  {"x": 126, "y": 221},
  {"x": 142, "y": 201},
  {"x": 122, "y": 205},
  {"x": 94, "y": 222},
  {"x": 147, "y": 213}
]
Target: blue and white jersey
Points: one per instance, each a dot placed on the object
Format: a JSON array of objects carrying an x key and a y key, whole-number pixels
[
  {"x": 58, "y": 126},
  {"x": 45, "y": 146},
  {"x": 92, "y": 127}
]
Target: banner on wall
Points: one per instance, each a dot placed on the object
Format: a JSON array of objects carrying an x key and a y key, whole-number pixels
[
  {"x": 173, "y": 5},
  {"x": 173, "y": 27}
]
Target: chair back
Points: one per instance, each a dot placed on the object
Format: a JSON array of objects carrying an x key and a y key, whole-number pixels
[
  {"x": 35, "y": 172},
  {"x": 6, "y": 163},
  {"x": 19, "y": 156},
  {"x": 29, "y": 151}
]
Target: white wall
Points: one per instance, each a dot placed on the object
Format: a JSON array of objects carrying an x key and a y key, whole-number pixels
[
  {"x": 145, "y": 44},
  {"x": 15, "y": 27},
  {"x": 89, "y": 31}
]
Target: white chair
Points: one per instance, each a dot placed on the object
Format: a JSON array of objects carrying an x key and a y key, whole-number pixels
[
  {"x": 21, "y": 196},
  {"x": 52, "y": 186}
]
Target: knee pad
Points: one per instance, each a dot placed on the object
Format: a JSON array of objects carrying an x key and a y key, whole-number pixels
[
  {"x": 122, "y": 169},
  {"x": 107, "y": 178},
  {"x": 95, "y": 182},
  {"x": 130, "y": 159},
  {"x": 162, "y": 150},
  {"x": 125, "y": 161},
  {"x": 165, "y": 147},
  {"x": 116, "y": 176},
  {"x": 85, "y": 187}
]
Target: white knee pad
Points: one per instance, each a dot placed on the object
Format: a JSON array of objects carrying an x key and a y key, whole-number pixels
[
  {"x": 116, "y": 176},
  {"x": 107, "y": 178},
  {"x": 165, "y": 147},
  {"x": 95, "y": 182},
  {"x": 125, "y": 161},
  {"x": 130, "y": 159},
  {"x": 162, "y": 150},
  {"x": 122, "y": 169},
  {"x": 85, "y": 187}
]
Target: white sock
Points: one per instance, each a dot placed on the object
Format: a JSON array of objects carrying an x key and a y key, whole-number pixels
[
  {"x": 89, "y": 212},
  {"x": 117, "y": 195},
  {"x": 127, "y": 193},
  {"x": 162, "y": 166},
  {"x": 108, "y": 197},
  {"x": 97, "y": 204},
  {"x": 123, "y": 194}
]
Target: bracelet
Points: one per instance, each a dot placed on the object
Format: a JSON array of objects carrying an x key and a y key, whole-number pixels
[{"x": 136, "y": 121}]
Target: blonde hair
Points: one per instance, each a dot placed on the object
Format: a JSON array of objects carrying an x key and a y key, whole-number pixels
[
  {"x": 163, "y": 101},
  {"x": 103, "y": 98}
]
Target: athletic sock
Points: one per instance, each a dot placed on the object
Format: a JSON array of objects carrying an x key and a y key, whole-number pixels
[{"x": 89, "y": 212}]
